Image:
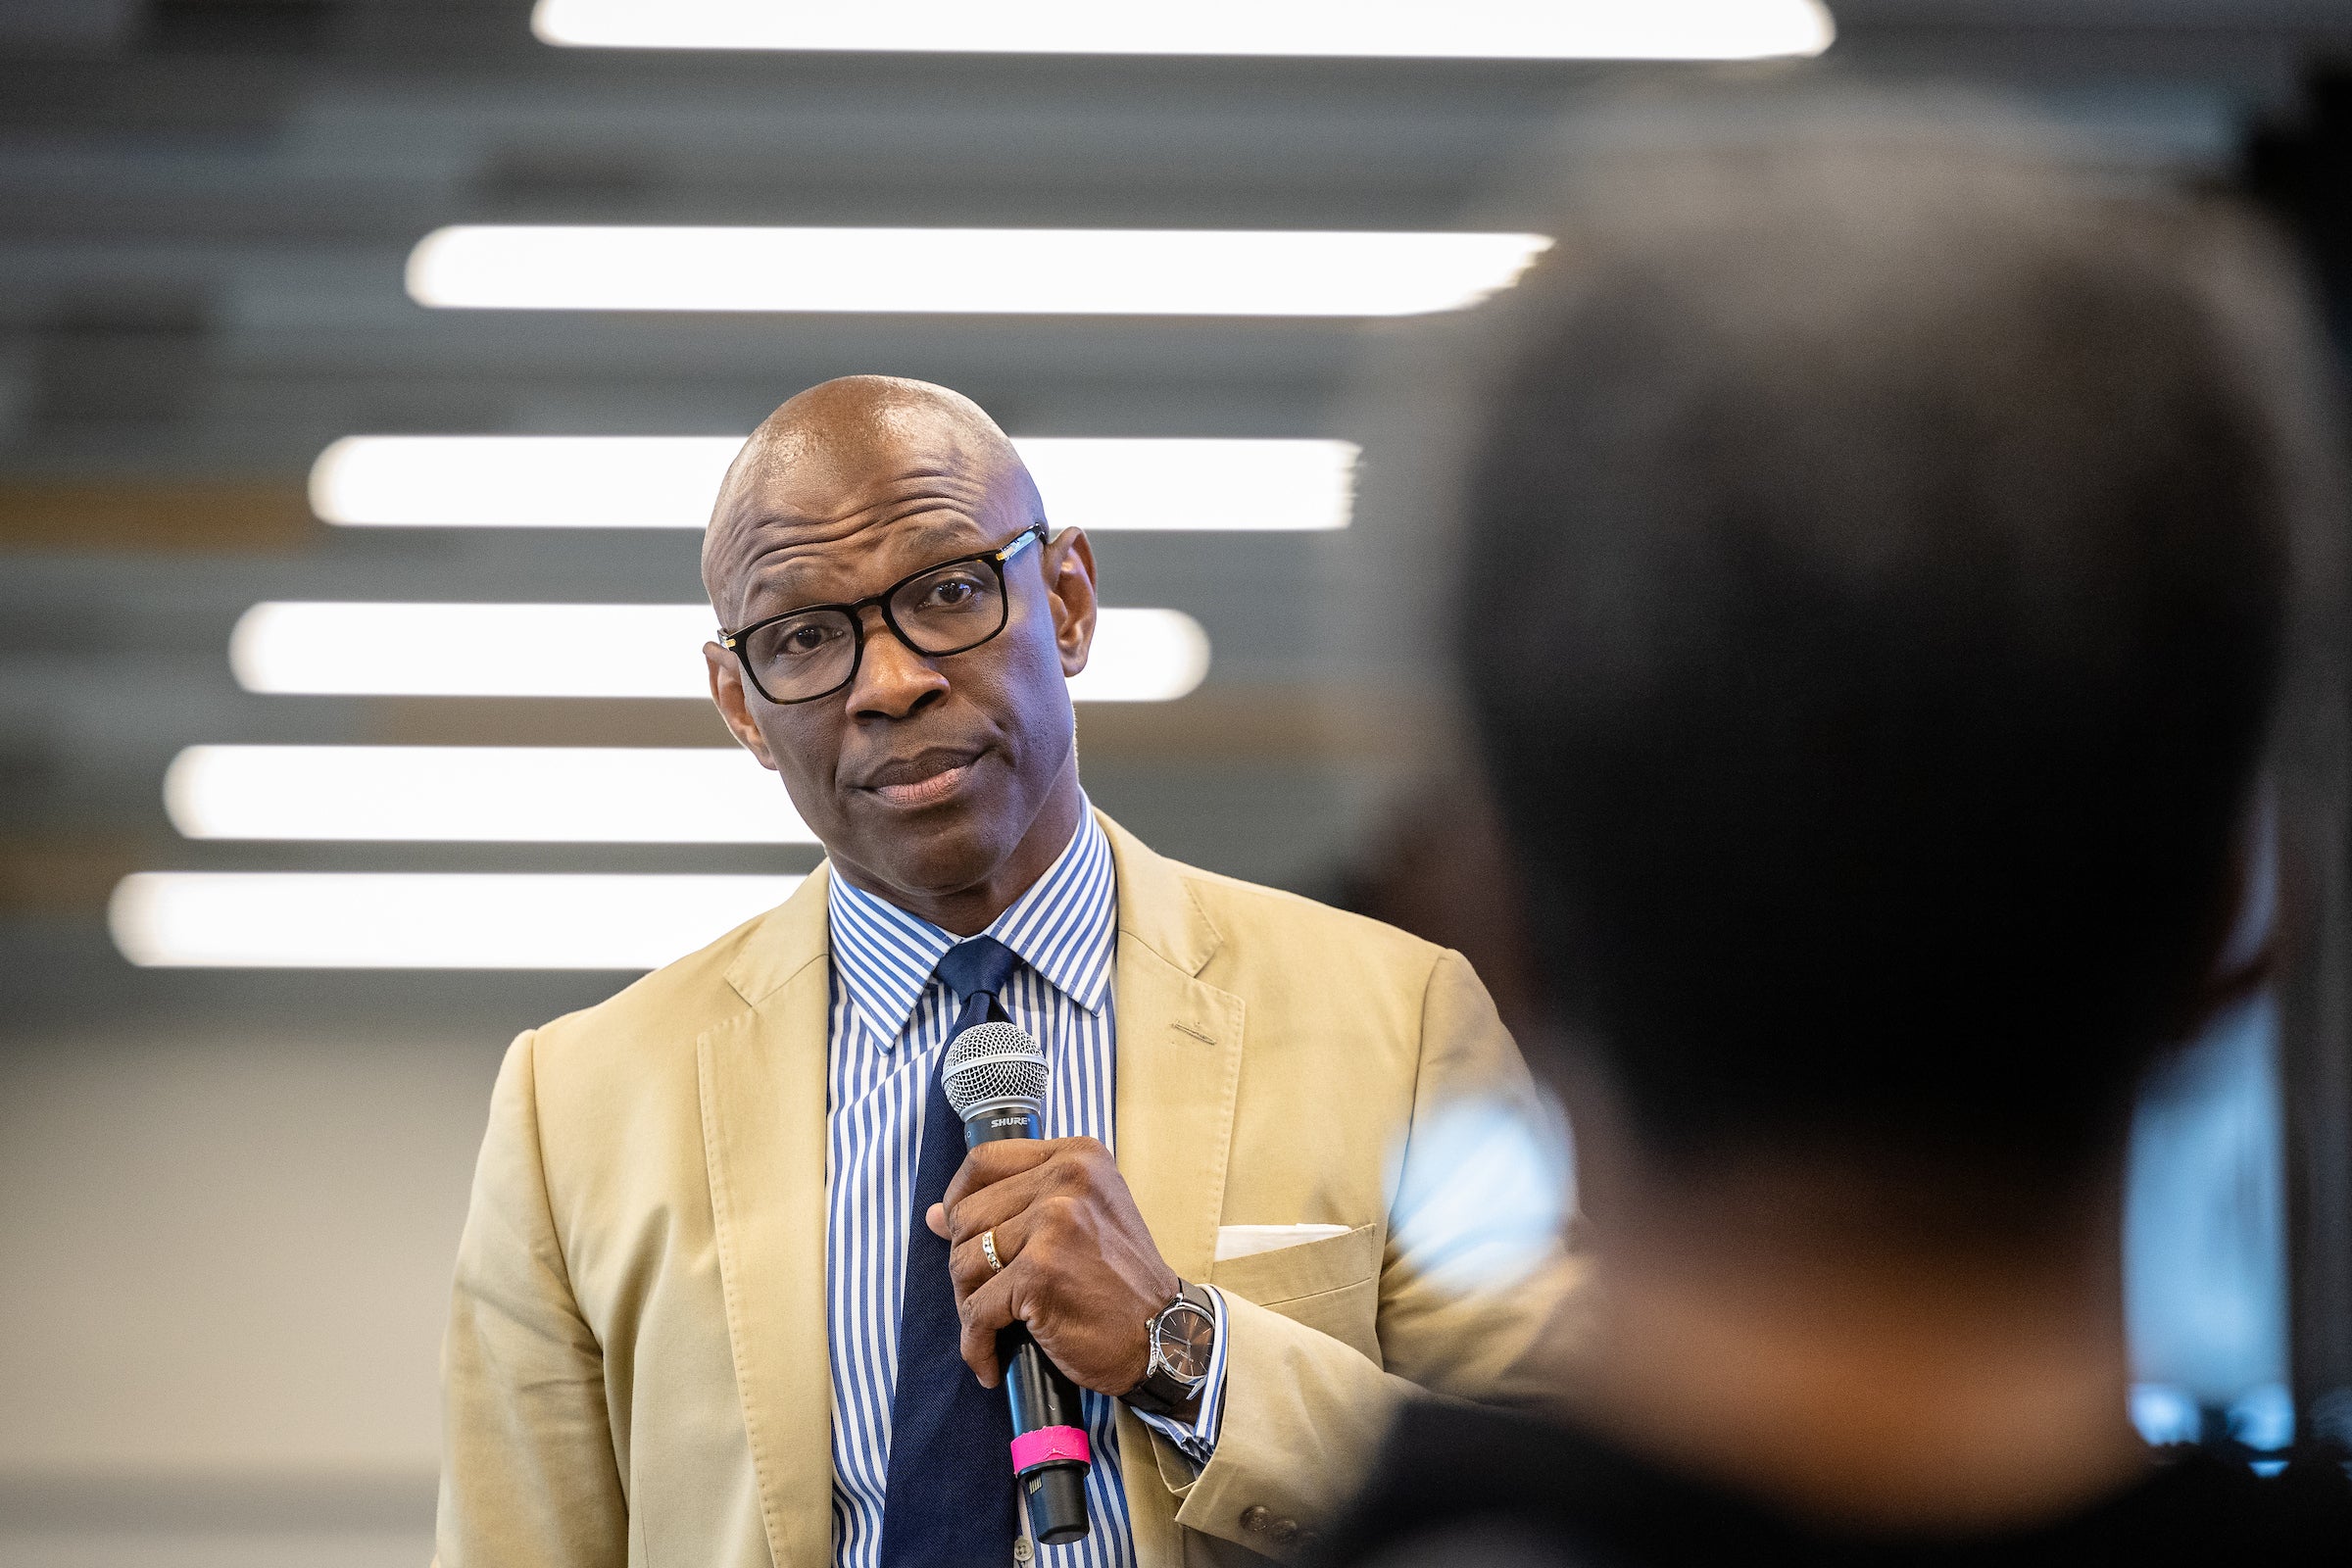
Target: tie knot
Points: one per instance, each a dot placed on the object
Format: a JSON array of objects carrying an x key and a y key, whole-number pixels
[{"x": 978, "y": 967}]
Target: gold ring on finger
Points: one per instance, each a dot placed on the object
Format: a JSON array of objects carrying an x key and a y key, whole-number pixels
[{"x": 988, "y": 1250}]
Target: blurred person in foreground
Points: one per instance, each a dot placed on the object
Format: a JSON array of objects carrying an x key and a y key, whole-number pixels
[
  {"x": 1882, "y": 559},
  {"x": 731, "y": 1289}
]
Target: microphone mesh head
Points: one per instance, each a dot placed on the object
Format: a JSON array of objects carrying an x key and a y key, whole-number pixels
[{"x": 995, "y": 1065}]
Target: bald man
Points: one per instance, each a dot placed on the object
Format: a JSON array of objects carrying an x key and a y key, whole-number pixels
[{"x": 731, "y": 1288}]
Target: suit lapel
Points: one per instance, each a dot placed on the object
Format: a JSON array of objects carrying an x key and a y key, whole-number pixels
[
  {"x": 1179, "y": 1058},
  {"x": 763, "y": 1077}
]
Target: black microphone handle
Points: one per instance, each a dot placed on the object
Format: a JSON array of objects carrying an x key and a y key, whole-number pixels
[
  {"x": 1042, "y": 1396},
  {"x": 1040, "y": 1392}
]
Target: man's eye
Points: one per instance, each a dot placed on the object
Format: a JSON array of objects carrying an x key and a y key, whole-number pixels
[{"x": 801, "y": 640}]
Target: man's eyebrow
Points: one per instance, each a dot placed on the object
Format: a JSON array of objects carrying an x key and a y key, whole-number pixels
[{"x": 947, "y": 534}]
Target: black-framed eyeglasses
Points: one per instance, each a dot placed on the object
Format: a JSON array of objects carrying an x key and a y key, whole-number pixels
[{"x": 951, "y": 608}]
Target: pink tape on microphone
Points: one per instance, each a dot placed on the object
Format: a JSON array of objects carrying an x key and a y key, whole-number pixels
[{"x": 1046, "y": 1444}]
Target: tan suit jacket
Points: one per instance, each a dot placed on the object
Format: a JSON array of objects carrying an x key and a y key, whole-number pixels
[{"x": 636, "y": 1366}]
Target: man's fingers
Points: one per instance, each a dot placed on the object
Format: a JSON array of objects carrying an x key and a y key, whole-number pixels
[
  {"x": 995, "y": 1204},
  {"x": 936, "y": 1217},
  {"x": 967, "y": 1261},
  {"x": 988, "y": 1310},
  {"x": 994, "y": 1162}
]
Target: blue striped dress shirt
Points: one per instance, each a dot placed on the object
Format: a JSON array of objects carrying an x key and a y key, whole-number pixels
[{"x": 889, "y": 1023}]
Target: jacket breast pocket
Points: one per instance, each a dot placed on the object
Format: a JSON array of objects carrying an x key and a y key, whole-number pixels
[{"x": 1332, "y": 1285}]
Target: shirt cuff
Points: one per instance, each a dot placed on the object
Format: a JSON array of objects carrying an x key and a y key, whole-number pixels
[{"x": 1196, "y": 1438}]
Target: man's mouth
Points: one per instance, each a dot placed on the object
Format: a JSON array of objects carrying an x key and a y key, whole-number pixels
[{"x": 921, "y": 780}]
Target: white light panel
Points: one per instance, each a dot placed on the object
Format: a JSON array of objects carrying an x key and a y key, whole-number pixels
[
  {"x": 509, "y": 794},
  {"x": 429, "y": 650},
  {"x": 322, "y": 920},
  {"x": 1017, "y": 272},
  {"x": 1505, "y": 29},
  {"x": 1153, "y": 656},
  {"x": 469, "y": 481}
]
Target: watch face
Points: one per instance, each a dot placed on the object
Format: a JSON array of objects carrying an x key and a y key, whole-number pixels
[{"x": 1185, "y": 1337}]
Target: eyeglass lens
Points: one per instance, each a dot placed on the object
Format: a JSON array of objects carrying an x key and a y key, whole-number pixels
[{"x": 945, "y": 610}]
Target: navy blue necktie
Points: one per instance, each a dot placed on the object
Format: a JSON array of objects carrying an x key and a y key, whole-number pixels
[{"x": 950, "y": 1498}]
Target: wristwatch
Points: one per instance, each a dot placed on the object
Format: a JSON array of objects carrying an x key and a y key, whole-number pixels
[{"x": 1183, "y": 1336}]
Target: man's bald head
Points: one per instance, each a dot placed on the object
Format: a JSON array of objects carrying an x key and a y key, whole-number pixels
[{"x": 815, "y": 460}]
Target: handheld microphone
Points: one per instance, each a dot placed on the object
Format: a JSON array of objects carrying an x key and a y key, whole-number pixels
[{"x": 995, "y": 1076}]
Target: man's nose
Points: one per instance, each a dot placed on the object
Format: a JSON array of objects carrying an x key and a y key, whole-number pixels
[{"x": 893, "y": 680}]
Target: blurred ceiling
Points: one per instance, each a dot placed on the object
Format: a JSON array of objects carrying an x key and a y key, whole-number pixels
[{"x": 205, "y": 206}]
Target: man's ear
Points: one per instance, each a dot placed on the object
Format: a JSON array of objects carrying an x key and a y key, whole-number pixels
[
  {"x": 726, "y": 690},
  {"x": 1069, "y": 567}
]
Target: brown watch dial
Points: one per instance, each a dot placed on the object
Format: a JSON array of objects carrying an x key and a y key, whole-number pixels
[{"x": 1183, "y": 1340}]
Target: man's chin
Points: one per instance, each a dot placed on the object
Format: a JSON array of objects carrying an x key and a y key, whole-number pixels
[{"x": 936, "y": 851}]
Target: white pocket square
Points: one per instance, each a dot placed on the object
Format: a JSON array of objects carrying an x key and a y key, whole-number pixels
[{"x": 1244, "y": 1241}]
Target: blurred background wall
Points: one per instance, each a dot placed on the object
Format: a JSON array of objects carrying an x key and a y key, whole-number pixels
[{"x": 230, "y": 1196}]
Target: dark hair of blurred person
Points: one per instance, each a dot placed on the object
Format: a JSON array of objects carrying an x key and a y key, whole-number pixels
[{"x": 1882, "y": 552}]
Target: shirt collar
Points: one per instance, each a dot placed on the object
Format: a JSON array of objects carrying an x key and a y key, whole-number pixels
[{"x": 1062, "y": 928}]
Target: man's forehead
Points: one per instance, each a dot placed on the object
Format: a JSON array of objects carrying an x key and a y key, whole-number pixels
[
  {"x": 814, "y": 457},
  {"x": 773, "y": 549},
  {"x": 855, "y": 467},
  {"x": 820, "y": 460},
  {"x": 929, "y": 517},
  {"x": 818, "y": 496}
]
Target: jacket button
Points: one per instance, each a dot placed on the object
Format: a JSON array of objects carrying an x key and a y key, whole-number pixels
[
  {"x": 1285, "y": 1531},
  {"x": 1257, "y": 1517}
]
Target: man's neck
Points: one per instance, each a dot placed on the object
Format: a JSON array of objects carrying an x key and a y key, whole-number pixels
[{"x": 1771, "y": 1336}]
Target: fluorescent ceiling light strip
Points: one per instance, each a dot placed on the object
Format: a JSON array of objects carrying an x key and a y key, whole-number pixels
[
  {"x": 429, "y": 650},
  {"x": 526, "y": 481},
  {"x": 505, "y": 794},
  {"x": 1017, "y": 272},
  {"x": 1501, "y": 30},
  {"x": 320, "y": 920}
]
